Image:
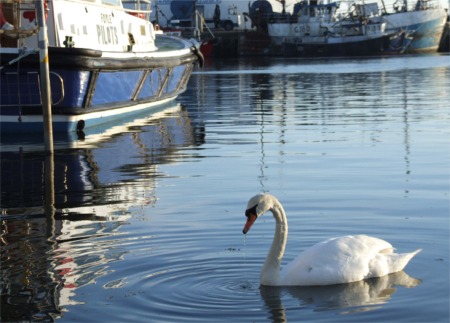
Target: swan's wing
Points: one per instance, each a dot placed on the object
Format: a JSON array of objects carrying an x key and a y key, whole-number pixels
[
  {"x": 339, "y": 260},
  {"x": 383, "y": 264}
]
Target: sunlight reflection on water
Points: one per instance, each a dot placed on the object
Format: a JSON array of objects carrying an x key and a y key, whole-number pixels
[{"x": 332, "y": 66}]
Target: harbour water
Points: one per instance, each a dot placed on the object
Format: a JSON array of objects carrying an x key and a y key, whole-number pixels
[{"x": 142, "y": 221}]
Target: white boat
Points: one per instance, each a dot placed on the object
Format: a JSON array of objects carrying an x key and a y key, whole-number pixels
[
  {"x": 423, "y": 21},
  {"x": 319, "y": 30},
  {"x": 106, "y": 61},
  {"x": 316, "y": 28}
]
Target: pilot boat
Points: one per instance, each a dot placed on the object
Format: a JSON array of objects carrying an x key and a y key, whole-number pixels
[{"x": 106, "y": 60}]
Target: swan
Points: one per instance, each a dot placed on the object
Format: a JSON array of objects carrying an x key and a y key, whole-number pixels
[{"x": 334, "y": 261}]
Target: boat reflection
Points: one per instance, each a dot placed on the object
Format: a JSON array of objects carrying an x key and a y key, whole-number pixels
[
  {"x": 84, "y": 193},
  {"x": 366, "y": 295}
]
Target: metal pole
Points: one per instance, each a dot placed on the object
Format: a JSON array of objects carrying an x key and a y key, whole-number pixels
[
  {"x": 384, "y": 6},
  {"x": 45, "y": 77}
]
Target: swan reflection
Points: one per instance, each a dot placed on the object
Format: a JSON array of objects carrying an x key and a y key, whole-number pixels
[{"x": 348, "y": 298}]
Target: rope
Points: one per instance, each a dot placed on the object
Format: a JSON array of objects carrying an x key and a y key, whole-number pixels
[{"x": 25, "y": 54}]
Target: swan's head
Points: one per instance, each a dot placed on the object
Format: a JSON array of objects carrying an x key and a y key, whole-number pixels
[{"x": 257, "y": 206}]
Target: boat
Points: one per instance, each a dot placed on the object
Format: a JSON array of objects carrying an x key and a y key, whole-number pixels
[
  {"x": 106, "y": 60},
  {"x": 422, "y": 20},
  {"x": 444, "y": 45},
  {"x": 319, "y": 30}
]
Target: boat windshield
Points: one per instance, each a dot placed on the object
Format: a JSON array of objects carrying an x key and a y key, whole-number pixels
[
  {"x": 137, "y": 5},
  {"x": 138, "y": 8},
  {"x": 112, "y": 2}
]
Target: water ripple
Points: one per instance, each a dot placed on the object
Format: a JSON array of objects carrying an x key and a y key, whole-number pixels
[{"x": 148, "y": 222}]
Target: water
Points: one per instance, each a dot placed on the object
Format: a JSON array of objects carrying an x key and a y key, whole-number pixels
[{"x": 147, "y": 216}]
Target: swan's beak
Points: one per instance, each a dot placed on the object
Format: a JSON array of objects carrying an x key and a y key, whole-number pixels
[{"x": 250, "y": 220}]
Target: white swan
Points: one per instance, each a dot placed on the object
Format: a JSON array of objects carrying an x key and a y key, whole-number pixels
[{"x": 334, "y": 261}]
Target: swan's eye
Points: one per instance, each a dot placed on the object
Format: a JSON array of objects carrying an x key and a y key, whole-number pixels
[{"x": 251, "y": 211}]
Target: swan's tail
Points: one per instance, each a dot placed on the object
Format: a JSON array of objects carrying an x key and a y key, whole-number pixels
[{"x": 399, "y": 261}]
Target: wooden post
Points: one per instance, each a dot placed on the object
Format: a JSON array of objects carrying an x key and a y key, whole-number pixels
[
  {"x": 46, "y": 98},
  {"x": 49, "y": 201},
  {"x": 46, "y": 101}
]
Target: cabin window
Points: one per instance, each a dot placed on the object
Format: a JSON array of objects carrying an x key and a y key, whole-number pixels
[{"x": 112, "y": 2}]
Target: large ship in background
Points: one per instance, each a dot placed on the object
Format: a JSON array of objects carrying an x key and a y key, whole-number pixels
[
  {"x": 422, "y": 22},
  {"x": 321, "y": 30}
]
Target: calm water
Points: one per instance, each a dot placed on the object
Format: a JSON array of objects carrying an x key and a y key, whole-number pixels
[{"x": 147, "y": 217}]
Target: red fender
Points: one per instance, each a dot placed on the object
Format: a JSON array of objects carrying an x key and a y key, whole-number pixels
[
  {"x": 3, "y": 20},
  {"x": 31, "y": 14}
]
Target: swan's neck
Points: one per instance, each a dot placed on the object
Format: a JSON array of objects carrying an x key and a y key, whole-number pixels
[{"x": 270, "y": 274}]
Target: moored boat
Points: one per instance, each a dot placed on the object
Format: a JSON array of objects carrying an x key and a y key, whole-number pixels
[
  {"x": 106, "y": 61},
  {"x": 345, "y": 46},
  {"x": 421, "y": 20},
  {"x": 316, "y": 30},
  {"x": 321, "y": 28}
]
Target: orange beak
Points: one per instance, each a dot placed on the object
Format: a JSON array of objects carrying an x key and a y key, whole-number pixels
[{"x": 250, "y": 220}]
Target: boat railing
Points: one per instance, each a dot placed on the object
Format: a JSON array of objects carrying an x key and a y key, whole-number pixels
[
  {"x": 403, "y": 5},
  {"x": 139, "y": 8},
  {"x": 199, "y": 24},
  {"x": 18, "y": 18},
  {"x": 25, "y": 89}
]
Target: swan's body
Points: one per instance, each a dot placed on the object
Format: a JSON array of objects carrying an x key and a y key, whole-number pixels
[{"x": 334, "y": 261}]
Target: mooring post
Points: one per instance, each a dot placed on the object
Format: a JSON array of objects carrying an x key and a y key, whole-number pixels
[{"x": 45, "y": 77}]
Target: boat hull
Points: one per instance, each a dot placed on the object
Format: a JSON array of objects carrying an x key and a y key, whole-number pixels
[
  {"x": 424, "y": 26},
  {"x": 33, "y": 123},
  {"x": 341, "y": 46},
  {"x": 89, "y": 87}
]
